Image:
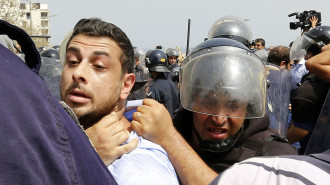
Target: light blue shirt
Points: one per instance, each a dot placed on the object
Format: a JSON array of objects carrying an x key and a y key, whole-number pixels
[
  {"x": 297, "y": 71},
  {"x": 147, "y": 164}
]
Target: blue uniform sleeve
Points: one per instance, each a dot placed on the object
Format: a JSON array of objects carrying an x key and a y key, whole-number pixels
[{"x": 304, "y": 125}]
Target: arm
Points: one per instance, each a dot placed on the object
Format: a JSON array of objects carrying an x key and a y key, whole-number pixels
[
  {"x": 107, "y": 135},
  {"x": 295, "y": 134},
  {"x": 155, "y": 124},
  {"x": 320, "y": 64}
]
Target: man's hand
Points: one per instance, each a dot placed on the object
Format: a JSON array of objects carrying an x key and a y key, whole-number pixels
[
  {"x": 313, "y": 21},
  {"x": 154, "y": 122},
  {"x": 107, "y": 135}
]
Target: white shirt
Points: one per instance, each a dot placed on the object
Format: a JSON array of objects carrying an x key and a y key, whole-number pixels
[
  {"x": 277, "y": 170},
  {"x": 147, "y": 164}
]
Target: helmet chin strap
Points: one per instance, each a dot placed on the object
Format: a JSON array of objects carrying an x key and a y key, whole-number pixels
[{"x": 221, "y": 145}]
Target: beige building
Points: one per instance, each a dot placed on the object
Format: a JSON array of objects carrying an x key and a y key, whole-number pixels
[{"x": 37, "y": 15}]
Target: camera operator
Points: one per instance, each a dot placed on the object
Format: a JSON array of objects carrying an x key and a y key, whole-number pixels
[
  {"x": 313, "y": 23},
  {"x": 306, "y": 20}
]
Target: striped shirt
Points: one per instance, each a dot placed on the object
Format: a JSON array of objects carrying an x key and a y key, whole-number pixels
[{"x": 278, "y": 170}]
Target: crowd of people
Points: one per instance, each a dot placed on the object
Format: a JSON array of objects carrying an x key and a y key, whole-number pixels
[{"x": 231, "y": 112}]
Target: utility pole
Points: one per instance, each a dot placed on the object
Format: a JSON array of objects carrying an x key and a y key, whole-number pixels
[
  {"x": 188, "y": 37},
  {"x": 31, "y": 18}
]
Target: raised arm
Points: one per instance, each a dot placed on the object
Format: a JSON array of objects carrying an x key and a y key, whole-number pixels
[
  {"x": 320, "y": 64},
  {"x": 152, "y": 121}
]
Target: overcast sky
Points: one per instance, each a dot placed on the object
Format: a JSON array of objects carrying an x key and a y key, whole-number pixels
[{"x": 152, "y": 22}]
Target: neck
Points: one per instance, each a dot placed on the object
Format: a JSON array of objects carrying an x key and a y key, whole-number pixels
[{"x": 120, "y": 113}]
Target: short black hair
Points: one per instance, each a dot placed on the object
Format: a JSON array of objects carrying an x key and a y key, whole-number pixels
[{"x": 95, "y": 27}]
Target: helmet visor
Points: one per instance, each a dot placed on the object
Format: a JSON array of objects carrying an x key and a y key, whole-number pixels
[
  {"x": 224, "y": 84},
  {"x": 299, "y": 47}
]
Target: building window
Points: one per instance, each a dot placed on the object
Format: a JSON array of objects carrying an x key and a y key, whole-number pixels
[
  {"x": 28, "y": 15},
  {"x": 44, "y": 15},
  {"x": 22, "y": 6},
  {"x": 44, "y": 23},
  {"x": 36, "y": 5}
]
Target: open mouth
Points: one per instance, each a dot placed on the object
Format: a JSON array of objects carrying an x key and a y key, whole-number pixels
[
  {"x": 218, "y": 133},
  {"x": 78, "y": 96},
  {"x": 218, "y": 130}
]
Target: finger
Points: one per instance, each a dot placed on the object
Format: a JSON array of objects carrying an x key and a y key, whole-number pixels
[
  {"x": 153, "y": 104},
  {"x": 120, "y": 137},
  {"x": 149, "y": 102},
  {"x": 137, "y": 115},
  {"x": 143, "y": 109},
  {"x": 124, "y": 149},
  {"x": 325, "y": 48},
  {"x": 108, "y": 120},
  {"x": 136, "y": 126},
  {"x": 115, "y": 128}
]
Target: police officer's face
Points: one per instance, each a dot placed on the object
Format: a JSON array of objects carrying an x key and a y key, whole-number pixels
[
  {"x": 215, "y": 128},
  {"x": 172, "y": 60},
  {"x": 91, "y": 81},
  {"x": 137, "y": 61}
]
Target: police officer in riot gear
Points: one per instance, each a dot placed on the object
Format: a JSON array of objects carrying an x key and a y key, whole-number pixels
[
  {"x": 161, "y": 89},
  {"x": 223, "y": 93},
  {"x": 232, "y": 27},
  {"x": 141, "y": 76},
  {"x": 308, "y": 100},
  {"x": 50, "y": 53},
  {"x": 173, "y": 67}
]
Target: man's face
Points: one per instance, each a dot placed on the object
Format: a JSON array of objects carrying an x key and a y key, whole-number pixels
[
  {"x": 215, "y": 128},
  {"x": 172, "y": 60},
  {"x": 137, "y": 61},
  {"x": 91, "y": 79},
  {"x": 258, "y": 46}
]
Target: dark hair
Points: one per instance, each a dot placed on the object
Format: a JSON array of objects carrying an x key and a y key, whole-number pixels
[
  {"x": 95, "y": 27},
  {"x": 279, "y": 54},
  {"x": 262, "y": 41}
]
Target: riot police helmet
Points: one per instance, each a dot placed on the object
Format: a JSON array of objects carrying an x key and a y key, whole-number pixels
[
  {"x": 156, "y": 61},
  {"x": 232, "y": 27},
  {"x": 57, "y": 47},
  {"x": 138, "y": 52},
  {"x": 51, "y": 53},
  {"x": 312, "y": 40},
  {"x": 40, "y": 49},
  {"x": 222, "y": 78},
  {"x": 172, "y": 52}
]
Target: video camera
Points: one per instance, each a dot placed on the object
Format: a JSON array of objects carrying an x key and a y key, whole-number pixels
[{"x": 304, "y": 19}]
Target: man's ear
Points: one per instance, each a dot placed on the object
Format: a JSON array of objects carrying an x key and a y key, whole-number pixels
[
  {"x": 127, "y": 84},
  {"x": 282, "y": 64}
]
